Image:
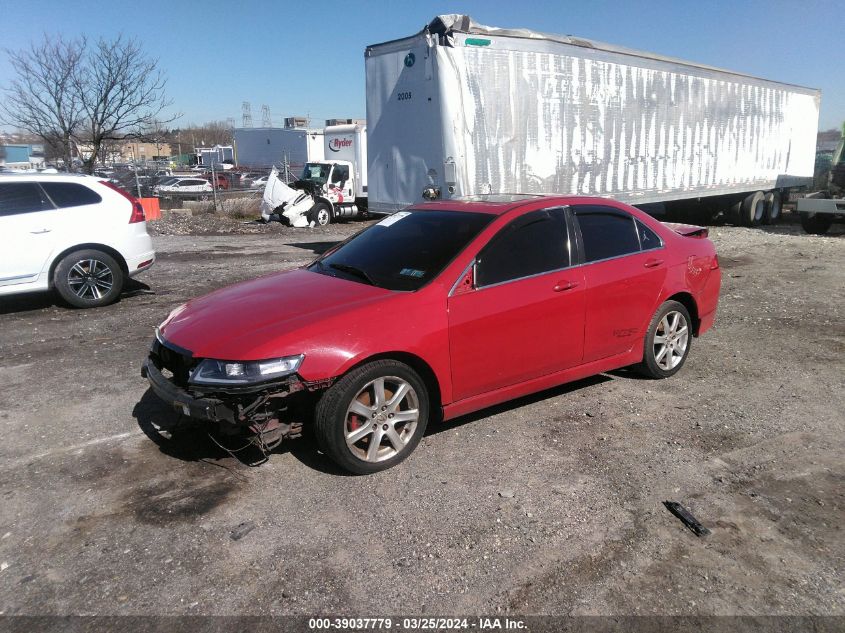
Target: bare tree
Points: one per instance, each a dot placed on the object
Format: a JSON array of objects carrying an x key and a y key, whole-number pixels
[
  {"x": 122, "y": 92},
  {"x": 72, "y": 93},
  {"x": 43, "y": 99}
]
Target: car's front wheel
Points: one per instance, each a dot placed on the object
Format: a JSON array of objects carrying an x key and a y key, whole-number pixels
[
  {"x": 667, "y": 341},
  {"x": 88, "y": 279},
  {"x": 373, "y": 417}
]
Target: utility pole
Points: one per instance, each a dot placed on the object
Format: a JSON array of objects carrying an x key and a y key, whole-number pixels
[{"x": 214, "y": 185}]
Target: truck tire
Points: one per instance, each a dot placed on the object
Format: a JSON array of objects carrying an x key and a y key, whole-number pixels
[
  {"x": 753, "y": 209},
  {"x": 816, "y": 223},
  {"x": 88, "y": 279},
  {"x": 773, "y": 206},
  {"x": 321, "y": 214}
]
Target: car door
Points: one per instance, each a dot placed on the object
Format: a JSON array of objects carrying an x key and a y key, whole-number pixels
[
  {"x": 27, "y": 231},
  {"x": 81, "y": 215},
  {"x": 623, "y": 272},
  {"x": 523, "y": 317}
]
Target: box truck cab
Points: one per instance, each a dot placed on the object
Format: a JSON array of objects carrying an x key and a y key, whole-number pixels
[{"x": 338, "y": 184}]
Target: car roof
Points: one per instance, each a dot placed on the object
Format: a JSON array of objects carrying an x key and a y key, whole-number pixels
[
  {"x": 499, "y": 203},
  {"x": 48, "y": 176}
]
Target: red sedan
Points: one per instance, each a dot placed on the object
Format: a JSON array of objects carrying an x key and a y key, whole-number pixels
[{"x": 436, "y": 311}]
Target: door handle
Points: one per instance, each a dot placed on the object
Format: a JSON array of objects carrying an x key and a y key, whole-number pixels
[
  {"x": 40, "y": 231},
  {"x": 653, "y": 263},
  {"x": 564, "y": 285}
]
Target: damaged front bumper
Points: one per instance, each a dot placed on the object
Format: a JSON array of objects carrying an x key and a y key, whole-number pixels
[{"x": 210, "y": 409}]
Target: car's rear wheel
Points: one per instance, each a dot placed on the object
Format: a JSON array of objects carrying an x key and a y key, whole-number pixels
[
  {"x": 88, "y": 278},
  {"x": 667, "y": 341},
  {"x": 373, "y": 417}
]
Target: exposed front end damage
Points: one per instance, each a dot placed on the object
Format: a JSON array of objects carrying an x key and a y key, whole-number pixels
[
  {"x": 284, "y": 203},
  {"x": 265, "y": 414}
]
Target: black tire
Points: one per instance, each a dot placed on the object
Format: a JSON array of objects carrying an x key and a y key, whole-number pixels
[
  {"x": 650, "y": 365},
  {"x": 816, "y": 223},
  {"x": 752, "y": 210},
  {"x": 773, "y": 207},
  {"x": 321, "y": 214},
  {"x": 88, "y": 279},
  {"x": 332, "y": 419}
]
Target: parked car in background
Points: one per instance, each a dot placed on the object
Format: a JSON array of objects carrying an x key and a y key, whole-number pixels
[
  {"x": 222, "y": 180},
  {"x": 78, "y": 235},
  {"x": 183, "y": 185},
  {"x": 258, "y": 183},
  {"x": 457, "y": 306}
]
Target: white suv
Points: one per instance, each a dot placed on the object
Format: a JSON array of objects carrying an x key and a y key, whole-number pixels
[{"x": 78, "y": 235}]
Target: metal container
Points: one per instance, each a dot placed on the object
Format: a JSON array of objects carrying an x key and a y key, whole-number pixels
[{"x": 472, "y": 109}]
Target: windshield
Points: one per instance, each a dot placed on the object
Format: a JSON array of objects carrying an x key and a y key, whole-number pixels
[
  {"x": 405, "y": 250},
  {"x": 315, "y": 172}
]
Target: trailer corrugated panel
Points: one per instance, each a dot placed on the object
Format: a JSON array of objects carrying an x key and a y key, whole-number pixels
[{"x": 518, "y": 111}]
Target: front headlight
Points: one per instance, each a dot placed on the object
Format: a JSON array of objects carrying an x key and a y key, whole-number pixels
[{"x": 224, "y": 372}]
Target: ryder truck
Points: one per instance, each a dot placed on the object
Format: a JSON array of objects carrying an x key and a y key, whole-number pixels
[{"x": 329, "y": 189}]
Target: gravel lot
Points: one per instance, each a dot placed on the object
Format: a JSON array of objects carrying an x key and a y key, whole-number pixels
[{"x": 550, "y": 504}]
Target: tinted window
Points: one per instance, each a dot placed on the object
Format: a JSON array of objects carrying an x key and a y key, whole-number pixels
[
  {"x": 340, "y": 174},
  {"x": 70, "y": 194},
  {"x": 405, "y": 250},
  {"x": 22, "y": 197},
  {"x": 534, "y": 243},
  {"x": 606, "y": 233},
  {"x": 648, "y": 238}
]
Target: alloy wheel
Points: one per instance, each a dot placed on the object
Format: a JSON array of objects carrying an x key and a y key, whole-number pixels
[
  {"x": 671, "y": 340},
  {"x": 381, "y": 419},
  {"x": 90, "y": 279}
]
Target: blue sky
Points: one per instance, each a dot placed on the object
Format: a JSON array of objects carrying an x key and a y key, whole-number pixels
[{"x": 303, "y": 58}]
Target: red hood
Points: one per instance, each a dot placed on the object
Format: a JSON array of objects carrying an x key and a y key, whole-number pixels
[{"x": 262, "y": 318}]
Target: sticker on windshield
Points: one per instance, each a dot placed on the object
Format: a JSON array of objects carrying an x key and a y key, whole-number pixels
[
  {"x": 412, "y": 272},
  {"x": 393, "y": 219}
]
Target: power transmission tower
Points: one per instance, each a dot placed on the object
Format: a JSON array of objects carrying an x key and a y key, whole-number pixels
[
  {"x": 247, "y": 114},
  {"x": 265, "y": 116}
]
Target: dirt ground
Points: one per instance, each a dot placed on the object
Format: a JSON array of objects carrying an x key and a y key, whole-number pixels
[{"x": 551, "y": 504}]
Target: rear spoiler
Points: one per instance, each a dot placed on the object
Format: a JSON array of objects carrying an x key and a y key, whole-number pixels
[{"x": 688, "y": 230}]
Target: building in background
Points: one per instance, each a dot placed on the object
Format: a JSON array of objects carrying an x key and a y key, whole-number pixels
[
  {"x": 22, "y": 156},
  {"x": 218, "y": 154},
  {"x": 142, "y": 152}
]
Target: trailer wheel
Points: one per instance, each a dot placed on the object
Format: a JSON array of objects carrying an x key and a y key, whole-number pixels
[
  {"x": 816, "y": 223},
  {"x": 753, "y": 209},
  {"x": 321, "y": 214},
  {"x": 773, "y": 206}
]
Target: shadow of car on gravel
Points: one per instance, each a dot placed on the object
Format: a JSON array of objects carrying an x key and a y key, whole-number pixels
[
  {"x": 30, "y": 301},
  {"x": 186, "y": 439},
  {"x": 189, "y": 440},
  {"x": 318, "y": 248}
]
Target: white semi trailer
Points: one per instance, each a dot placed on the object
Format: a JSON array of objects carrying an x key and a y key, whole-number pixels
[{"x": 462, "y": 109}]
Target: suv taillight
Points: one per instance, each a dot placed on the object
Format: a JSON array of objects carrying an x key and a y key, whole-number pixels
[
  {"x": 137, "y": 213},
  {"x": 137, "y": 209}
]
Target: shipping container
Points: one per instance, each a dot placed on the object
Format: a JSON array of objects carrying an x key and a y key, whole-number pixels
[{"x": 465, "y": 109}]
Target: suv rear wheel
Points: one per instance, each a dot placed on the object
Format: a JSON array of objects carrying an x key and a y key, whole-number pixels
[{"x": 88, "y": 279}]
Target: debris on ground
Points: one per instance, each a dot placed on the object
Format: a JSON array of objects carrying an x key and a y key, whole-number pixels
[{"x": 686, "y": 518}]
